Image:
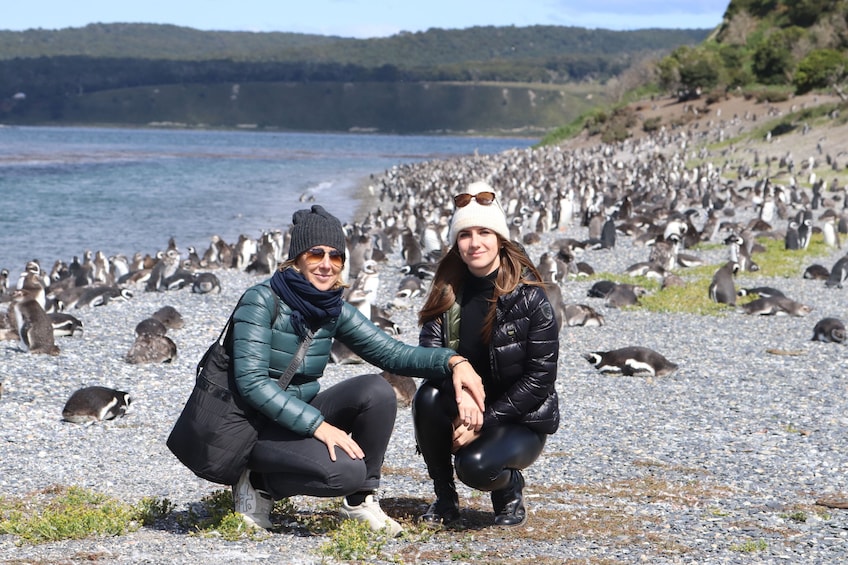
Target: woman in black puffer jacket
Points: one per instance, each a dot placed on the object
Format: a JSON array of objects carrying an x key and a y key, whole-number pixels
[{"x": 488, "y": 304}]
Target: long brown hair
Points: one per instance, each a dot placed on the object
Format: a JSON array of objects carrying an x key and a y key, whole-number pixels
[{"x": 515, "y": 268}]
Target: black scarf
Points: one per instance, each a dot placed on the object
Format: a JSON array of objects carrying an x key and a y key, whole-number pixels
[{"x": 309, "y": 305}]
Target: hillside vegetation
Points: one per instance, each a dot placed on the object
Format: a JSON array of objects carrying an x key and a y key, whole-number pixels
[
  {"x": 767, "y": 51},
  {"x": 410, "y": 82}
]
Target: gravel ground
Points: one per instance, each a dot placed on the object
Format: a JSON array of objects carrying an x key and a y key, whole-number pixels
[{"x": 729, "y": 453}]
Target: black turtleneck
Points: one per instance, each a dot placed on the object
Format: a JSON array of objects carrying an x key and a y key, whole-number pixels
[{"x": 475, "y": 304}]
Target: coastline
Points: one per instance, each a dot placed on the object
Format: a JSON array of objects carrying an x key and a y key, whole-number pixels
[{"x": 730, "y": 452}]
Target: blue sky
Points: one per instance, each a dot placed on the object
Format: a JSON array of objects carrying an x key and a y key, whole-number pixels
[{"x": 365, "y": 18}]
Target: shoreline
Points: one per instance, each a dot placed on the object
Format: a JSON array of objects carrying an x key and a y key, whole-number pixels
[{"x": 725, "y": 453}]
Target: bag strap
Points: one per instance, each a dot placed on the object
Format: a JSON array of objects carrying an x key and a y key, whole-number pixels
[{"x": 286, "y": 377}]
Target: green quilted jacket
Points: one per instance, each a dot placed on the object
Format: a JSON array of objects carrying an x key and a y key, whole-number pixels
[{"x": 262, "y": 352}]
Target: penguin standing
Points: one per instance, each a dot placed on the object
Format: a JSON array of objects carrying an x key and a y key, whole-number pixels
[
  {"x": 722, "y": 288},
  {"x": 792, "y": 240},
  {"x": 838, "y": 274},
  {"x": 805, "y": 229},
  {"x": 33, "y": 324},
  {"x": 166, "y": 267},
  {"x": 95, "y": 404}
]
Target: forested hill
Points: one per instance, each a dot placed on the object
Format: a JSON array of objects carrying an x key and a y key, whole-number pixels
[
  {"x": 404, "y": 50},
  {"x": 475, "y": 79}
]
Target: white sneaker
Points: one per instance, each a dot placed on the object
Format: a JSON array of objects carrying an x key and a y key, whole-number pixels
[
  {"x": 253, "y": 505},
  {"x": 370, "y": 512}
]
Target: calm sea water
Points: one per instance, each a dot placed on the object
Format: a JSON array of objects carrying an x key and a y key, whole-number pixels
[{"x": 66, "y": 190}]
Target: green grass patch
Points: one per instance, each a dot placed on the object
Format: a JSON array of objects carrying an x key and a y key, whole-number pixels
[{"x": 60, "y": 513}]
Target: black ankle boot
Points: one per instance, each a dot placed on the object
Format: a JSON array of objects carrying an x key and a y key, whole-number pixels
[
  {"x": 445, "y": 510},
  {"x": 508, "y": 503}
]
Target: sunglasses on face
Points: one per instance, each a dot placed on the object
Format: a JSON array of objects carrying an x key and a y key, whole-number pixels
[
  {"x": 316, "y": 255},
  {"x": 482, "y": 198}
]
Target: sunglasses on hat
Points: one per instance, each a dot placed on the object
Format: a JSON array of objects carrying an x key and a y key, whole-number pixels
[
  {"x": 316, "y": 255},
  {"x": 482, "y": 198}
]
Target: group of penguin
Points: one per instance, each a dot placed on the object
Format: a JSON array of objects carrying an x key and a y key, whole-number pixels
[{"x": 638, "y": 188}]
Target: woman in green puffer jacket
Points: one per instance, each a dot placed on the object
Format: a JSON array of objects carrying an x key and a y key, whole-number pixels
[{"x": 321, "y": 443}]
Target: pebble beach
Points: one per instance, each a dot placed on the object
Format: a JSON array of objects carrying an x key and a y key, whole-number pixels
[{"x": 727, "y": 460}]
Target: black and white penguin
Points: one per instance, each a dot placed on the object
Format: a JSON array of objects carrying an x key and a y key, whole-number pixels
[
  {"x": 816, "y": 272},
  {"x": 805, "y": 228},
  {"x": 838, "y": 274},
  {"x": 149, "y": 348},
  {"x": 95, "y": 404},
  {"x": 760, "y": 291},
  {"x": 792, "y": 241},
  {"x": 601, "y": 289},
  {"x": 631, "y": 361},
  {"x": 722, "y": 288},
  {"x": 829, "y": 330},
  {"x": 166, "y": 267},
  {"x": 205, "y": 283},
  {"x": 64, "y": 324},
  {"x": 581, "y": 315},
  {"x": 94, "y": 296}
]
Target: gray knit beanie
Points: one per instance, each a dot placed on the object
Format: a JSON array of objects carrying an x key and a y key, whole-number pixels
[{"x": 315, "y": 227}]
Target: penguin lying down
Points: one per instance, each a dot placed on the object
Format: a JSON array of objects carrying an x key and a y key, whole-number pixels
[
  {"x": 631, "y": 361},
  {"x": 95, "y": 404}
]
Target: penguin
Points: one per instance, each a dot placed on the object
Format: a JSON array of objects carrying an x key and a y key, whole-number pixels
[
  {"x": 167, "y": 266},
  {"x": 775, "y": 305},
  {"x": 341, "y": 354},
  {"x": 95, "y": 404},
  {"x": 180, "y": 279},
  {"x": 829, "y": 330},
  {"x": 35, "y": 329},
  {"x": 623, "y": 295},
  {"x": 722, "y": 289},
  {"x": 243, "y": 249},
  {"x": 631, "y": 361},
  {"x": 404, "y": 387},
  {"x": 830, "y": 234},
  {"x": 102, "y": 295},
  {"x": 554, "y": 293},
  {"x": 64, "y": 324},
  {"x": 805, "y": 229},
  {"x": 169, "y": 316},
  {"x": 646, "y": 269},
  {"x": 410, "y": 248},
  {"x": 816, "y": 272},
  {"x": 792, "y": 240},
  {"x": 205, "y": 283},
  {"x": 760, "y": 291},
  {"x": 600, "y": 289},
  {"x": 368, "y": 280},
  {"x": 150, "y": 326},
  {"x": 838, "y": 274},
  {"x": 149, "y": 348},
  {"x": 582, "y": 315},
  {"x": 608, "y": 234},
  {"x": 422, "y": 270}
]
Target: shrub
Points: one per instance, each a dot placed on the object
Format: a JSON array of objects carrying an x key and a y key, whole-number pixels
[{"x": 819, "y": 69}]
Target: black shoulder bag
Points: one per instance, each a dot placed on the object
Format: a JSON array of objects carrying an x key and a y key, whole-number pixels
[{"x": 217, "y": 429}]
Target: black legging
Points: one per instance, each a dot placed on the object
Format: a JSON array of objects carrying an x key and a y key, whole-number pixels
[
  {"x": 485, "y": 463},
  {"x": 291, "y": 464}
]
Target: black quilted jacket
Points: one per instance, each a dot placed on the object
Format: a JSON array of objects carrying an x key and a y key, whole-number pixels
[{"x": 523, "y": 355}]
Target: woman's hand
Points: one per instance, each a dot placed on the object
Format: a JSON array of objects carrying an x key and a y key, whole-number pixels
[
  {"x": 465, "y": 378},
  {"x": 469, "y": 414},
  {"x": 462, "y": 436},
  {"x": 332, "y": 436}
]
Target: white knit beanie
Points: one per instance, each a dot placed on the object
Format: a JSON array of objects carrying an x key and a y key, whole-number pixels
[{"x": 475, "y": 215}]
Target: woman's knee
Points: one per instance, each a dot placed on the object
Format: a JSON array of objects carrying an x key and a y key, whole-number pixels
[
  {"x": 476, "y": 470},
  {"x": 345, "y": 475},
  {"x": 426, "y": 399}
]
